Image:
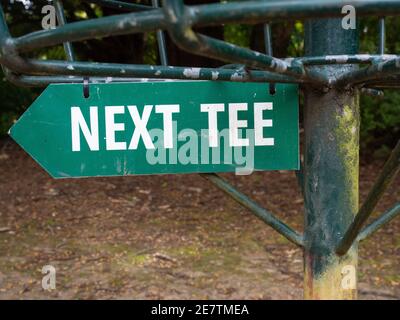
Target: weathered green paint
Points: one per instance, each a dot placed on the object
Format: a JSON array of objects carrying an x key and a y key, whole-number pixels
[
  {"x": 330, "y": 167},
  {"x": 44, "y": 130}
]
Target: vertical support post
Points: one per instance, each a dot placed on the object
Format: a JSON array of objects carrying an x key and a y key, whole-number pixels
[
  {"x": 268, "y": 51},
  {"x": 161, "y": 40},
  {"x": 69, "y": 51},
  {"x": 382, "y": 36},
  {"x": 331, "y": 165}
]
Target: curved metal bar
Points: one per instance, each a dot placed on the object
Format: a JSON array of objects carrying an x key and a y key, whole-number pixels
[
  {"x": 263, "y": 214},
  {"x": 201, "y": 15},
  {"x": 379, "y": 222},
  {"x": 178, "y": 18},
  {"x": 10, "y": 59},
  {"x": 14, "y": 62}
]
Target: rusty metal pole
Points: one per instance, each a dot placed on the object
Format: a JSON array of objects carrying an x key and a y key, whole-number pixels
[{"x": 331, "y": 166}]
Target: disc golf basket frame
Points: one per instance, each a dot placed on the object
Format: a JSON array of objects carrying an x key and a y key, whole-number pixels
[{"x": 332, "y": 75}]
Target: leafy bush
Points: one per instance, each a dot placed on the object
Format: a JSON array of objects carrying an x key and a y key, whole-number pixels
[{"x": 380, "y": 122}]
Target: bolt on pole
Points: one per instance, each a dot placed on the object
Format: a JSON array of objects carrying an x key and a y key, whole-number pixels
[{"x": 331, "y": 167}]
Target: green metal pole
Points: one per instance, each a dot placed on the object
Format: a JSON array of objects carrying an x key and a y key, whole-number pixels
[{"x": 331, "y": 121}]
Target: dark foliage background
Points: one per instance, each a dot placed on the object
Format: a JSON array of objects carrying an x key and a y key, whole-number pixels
[{"x": 380, "y": 126}]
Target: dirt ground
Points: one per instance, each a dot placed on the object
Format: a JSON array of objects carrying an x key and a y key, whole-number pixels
[{"x": 165, "y": 237}]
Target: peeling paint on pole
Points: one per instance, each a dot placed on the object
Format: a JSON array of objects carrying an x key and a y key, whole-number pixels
[{"x": 331, "y": 171}]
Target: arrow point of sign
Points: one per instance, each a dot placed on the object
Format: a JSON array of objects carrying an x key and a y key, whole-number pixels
[{"x": 36, "y": 130}]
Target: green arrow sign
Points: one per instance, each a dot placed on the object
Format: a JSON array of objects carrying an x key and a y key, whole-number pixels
[{"x": 161, "y": 127}]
